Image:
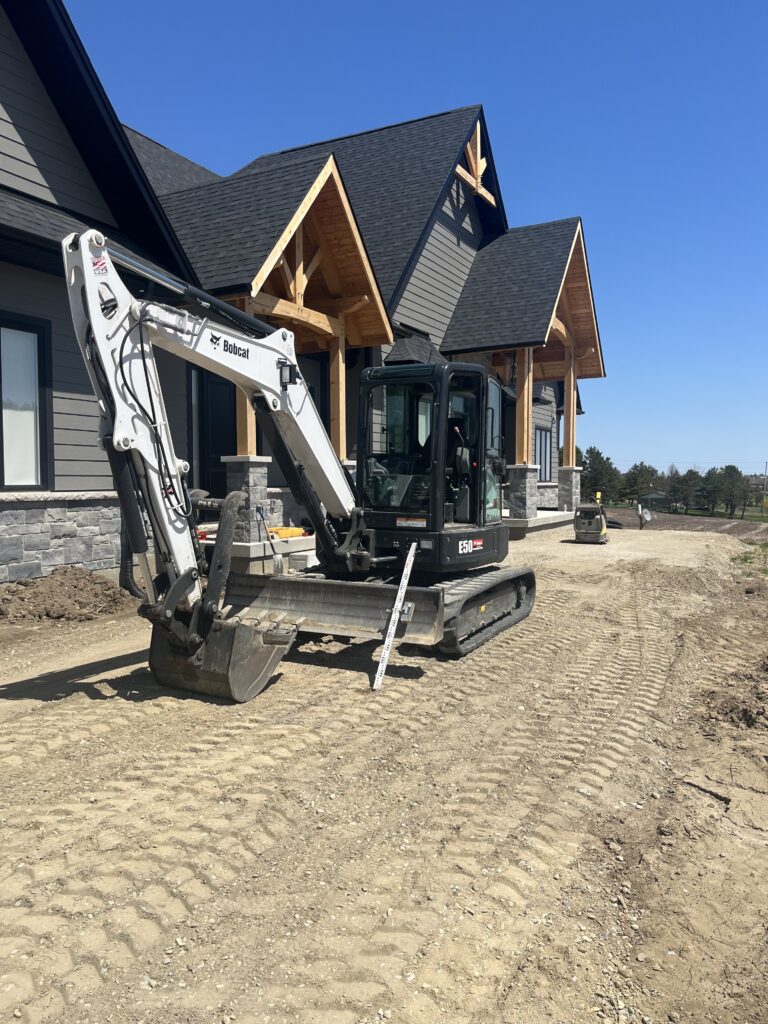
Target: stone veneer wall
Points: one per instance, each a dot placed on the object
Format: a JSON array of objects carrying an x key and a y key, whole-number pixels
[
  {"x": 547, "y": 498},
  {"x": 40, "y": 531}
]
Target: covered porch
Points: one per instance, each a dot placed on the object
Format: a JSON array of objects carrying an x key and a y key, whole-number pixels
[
  {"x": 290, "y": 253},
  {"x": 528, "y": 311}
]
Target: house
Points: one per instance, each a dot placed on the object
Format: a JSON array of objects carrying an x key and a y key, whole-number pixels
[{"x": 390, "y": 244}]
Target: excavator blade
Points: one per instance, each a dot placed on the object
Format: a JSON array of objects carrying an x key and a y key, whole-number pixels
[{"x": 235, "y": 662}]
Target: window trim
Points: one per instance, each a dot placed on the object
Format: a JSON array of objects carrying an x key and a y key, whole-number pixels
[
  {"x": 545, "y": 466},
  {"x": 42, "y": 328}
]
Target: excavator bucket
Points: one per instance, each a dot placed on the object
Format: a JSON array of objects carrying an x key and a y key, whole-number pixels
[{"x": 236, "y": 661}]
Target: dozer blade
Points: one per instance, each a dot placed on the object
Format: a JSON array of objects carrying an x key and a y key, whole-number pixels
[{"x": 236, "y": 661}]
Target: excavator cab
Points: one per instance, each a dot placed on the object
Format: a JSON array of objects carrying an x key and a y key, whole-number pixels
[{"x": 431, "y": 465}]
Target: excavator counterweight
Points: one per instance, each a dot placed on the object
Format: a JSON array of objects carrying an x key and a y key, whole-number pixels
[{"x": 428, "y": 482}]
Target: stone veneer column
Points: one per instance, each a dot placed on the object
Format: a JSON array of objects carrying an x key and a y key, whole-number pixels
[
  {"x": 248, "y": 473},
  {"x": 568, "y": 488},
  {"x": 522, "y": 491}
]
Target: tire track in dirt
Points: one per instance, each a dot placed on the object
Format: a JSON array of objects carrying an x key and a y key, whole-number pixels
[
  {"x": 125, "y": 931},
  {"x": 470, "y": 844}
]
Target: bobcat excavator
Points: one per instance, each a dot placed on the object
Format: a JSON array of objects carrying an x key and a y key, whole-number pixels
[{"x": 428, "y": 481}]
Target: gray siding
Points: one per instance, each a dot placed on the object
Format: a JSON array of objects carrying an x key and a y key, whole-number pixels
[
  {"x": 545, "y": 417},
  {"x": 433, "y": 289},
  {"x": 37, "y": 155},
  {"x": 79, "y": 463}
]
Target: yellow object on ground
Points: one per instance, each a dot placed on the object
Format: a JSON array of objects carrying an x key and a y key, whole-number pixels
[{"x": 281, "y": 532}]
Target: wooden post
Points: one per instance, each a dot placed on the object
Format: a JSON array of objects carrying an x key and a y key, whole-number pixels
[
  {"x": 246, "y": 424},
  {"x": 298, "y": 281},
  {"x": 339, "y": 391},
  {"x": 523, "y": 406},
  {"x": 569, "y": 409}
]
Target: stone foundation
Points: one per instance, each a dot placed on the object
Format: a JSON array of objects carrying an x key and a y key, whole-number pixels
[
  {"x": 568, "y": 488},
  {"x": 547, "y": 495},
  {"x": 522, "y": 492},
  {"x": 42, "y": 530}
]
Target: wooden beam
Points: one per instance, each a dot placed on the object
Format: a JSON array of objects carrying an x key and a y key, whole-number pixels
[
  {"x": 338, "y": 389},
  {"x": 272, "y": 306},
  {"x": 349, "y": 304},
  {"x": 523, "y": 405},
  {"x": 363, "y": 255},
  {"x": 312, "y": 266},
  {"x": 290, "y": 229},
  {"x": 465, "y": 176},
  {"x": 559, "y": 330},
  {"x": 476, "y": 152},
  {"x": 475, "y": 185},
  {"x": 301, "y": 283},
  {"x": 246, "y": 424},
  {"x": 569, "y": 409},
  {"x": 328, "y": 267},
  {"x": 288, "y": 277}
]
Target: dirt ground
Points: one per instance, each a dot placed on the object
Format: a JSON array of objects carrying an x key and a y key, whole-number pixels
[
  {"x": 569, "y": 825},
  {"x": 743, "y": 529}
]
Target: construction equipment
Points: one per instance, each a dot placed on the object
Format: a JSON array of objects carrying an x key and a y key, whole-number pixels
[
  {"x": 591, "y": 522},
  {"x": 429, "y": 472}
]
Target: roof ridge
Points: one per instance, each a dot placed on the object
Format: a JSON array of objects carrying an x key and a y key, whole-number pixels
[
  {"x": 168, "y": 149},
  {"x": 541, "y": 224},
  {"x": 231, "y": 179},
  {"x": 355, "y": 135}
]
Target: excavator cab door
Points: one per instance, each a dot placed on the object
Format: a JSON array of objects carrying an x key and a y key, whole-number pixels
[{"x": 430, "y": 465}]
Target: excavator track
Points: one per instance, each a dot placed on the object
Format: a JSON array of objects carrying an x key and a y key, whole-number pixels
[{"x": 481, "y": 606}]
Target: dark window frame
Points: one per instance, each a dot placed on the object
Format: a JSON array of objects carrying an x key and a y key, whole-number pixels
[
  {"x": 42, "y": 328},
  {"x": 541, "y": 435}
]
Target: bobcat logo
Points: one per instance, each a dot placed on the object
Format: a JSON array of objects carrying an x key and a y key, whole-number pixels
[{"x": 215, "y": 340}]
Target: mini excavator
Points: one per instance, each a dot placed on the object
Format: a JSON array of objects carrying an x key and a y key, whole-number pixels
[{"x": 428, "y": 478}]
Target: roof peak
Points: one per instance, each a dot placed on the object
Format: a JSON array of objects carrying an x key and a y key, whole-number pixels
[{"x": 367, "y": 131}]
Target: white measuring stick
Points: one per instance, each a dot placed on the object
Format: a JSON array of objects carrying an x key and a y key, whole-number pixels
[{"x": 394, "y": 618}]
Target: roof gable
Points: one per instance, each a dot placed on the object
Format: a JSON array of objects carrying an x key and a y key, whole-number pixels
[
  {"x": 394, "y": 176},
  {"x": 167, "y": 170},
  {"x": 50, "y": 40},
  {"x": 512, "y": 289},
  {"x": 229, "y": 227}
]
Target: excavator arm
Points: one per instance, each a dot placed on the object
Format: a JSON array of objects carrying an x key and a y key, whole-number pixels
[{"x": 116, "y": 333}]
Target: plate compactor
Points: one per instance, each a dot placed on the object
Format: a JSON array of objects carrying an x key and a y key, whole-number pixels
[{"x": 429, "y": 478}]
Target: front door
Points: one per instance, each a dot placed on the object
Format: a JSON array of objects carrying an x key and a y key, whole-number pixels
[{"x": 218, "y": 431}]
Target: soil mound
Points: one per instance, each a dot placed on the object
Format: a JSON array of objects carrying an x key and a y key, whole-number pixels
[{"x": 70, "y": 594}]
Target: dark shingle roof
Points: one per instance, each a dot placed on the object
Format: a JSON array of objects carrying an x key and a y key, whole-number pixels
[
  {"x": 416, "y": 348},
  {"x": 228, "y": 228},
  {"x": 45, "y": 226},
  {"x": 393, "y": 176},
  {"x": 510, "y": 294},
  {"x": 167, "y": 171}
]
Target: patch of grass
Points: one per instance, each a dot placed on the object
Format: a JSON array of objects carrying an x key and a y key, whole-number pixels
[{"x": 756, "y": 556}]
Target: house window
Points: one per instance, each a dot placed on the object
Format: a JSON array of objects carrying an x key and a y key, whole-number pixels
[
  {"x": 23, "y": 412},
  {"x": 543, "y": 454}
]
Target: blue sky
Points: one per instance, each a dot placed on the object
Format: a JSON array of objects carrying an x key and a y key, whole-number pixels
[{"x": 647, "y": 120}]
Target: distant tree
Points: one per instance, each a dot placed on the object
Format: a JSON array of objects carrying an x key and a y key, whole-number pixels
[
  {"x": 600, "y": 474},
  {"x": 640, "y": 479},
  {"x": 689, "y": 486},
  {"x": 673, "y": 485},
  {"x": 748, "y": 494},
  {"x": 732, "y": 481},
  {"x": 711, "y": 492}
]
